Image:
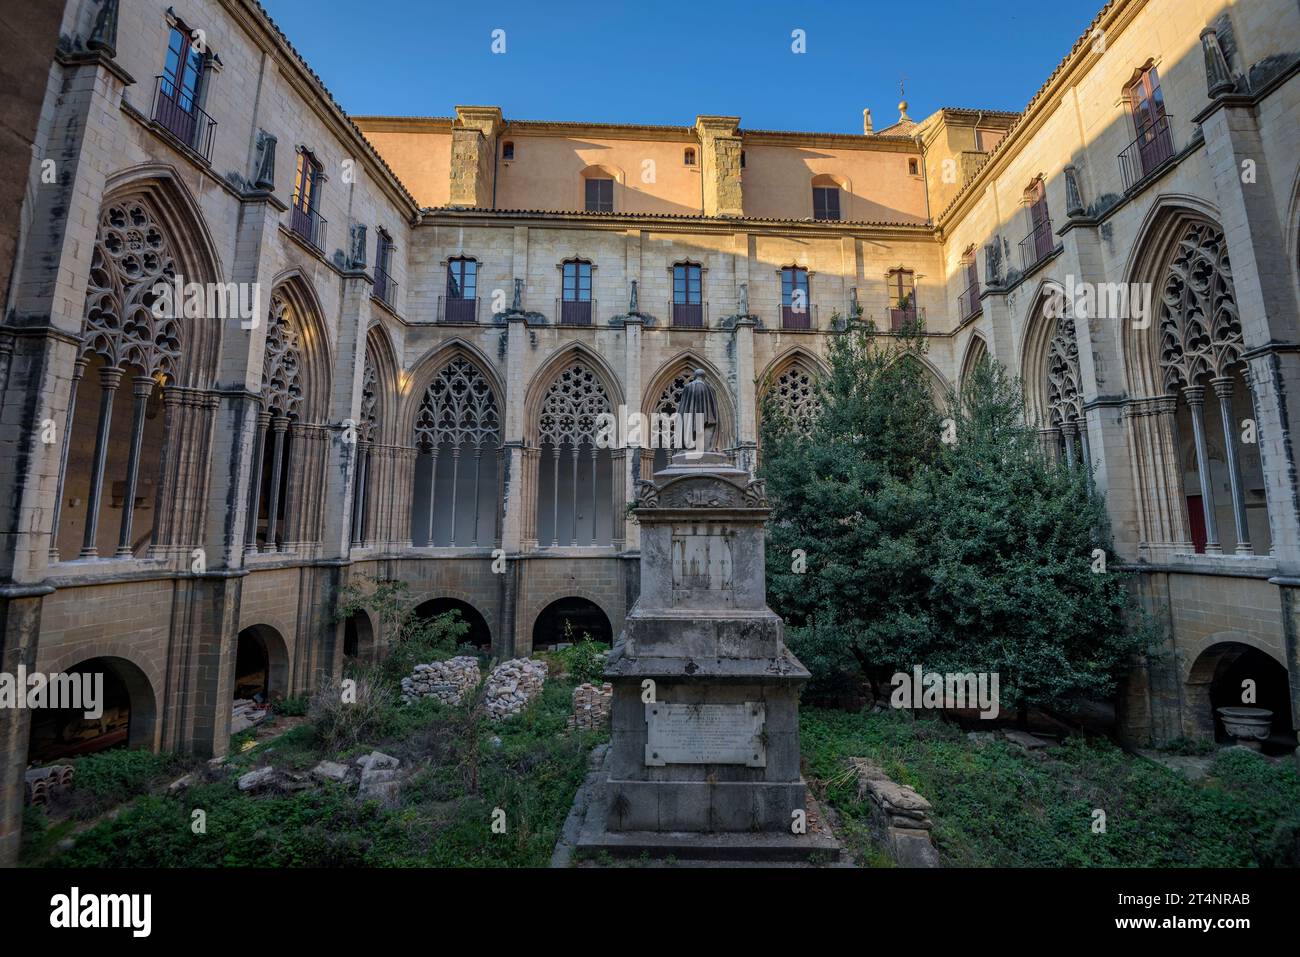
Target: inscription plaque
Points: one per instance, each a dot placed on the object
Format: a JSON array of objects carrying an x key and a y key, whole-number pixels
[
  {"x": 702, "y": 568},
  {"x": 705, "y": 734}
]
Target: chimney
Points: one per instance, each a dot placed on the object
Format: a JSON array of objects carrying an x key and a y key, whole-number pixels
[{"x": 866, "y": 123}]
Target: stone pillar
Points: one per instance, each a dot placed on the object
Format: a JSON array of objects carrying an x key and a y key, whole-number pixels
[
  {"x": 514, "y": 530},
  {"x": 473, "y": 154},
  {"x": 20, "y": 625},
  {"x": 720, "y": 146},
  {"x": 745, "y": 396},
  {"x": 629, "y": 465},
  {"x": 1265, "y": 302}
]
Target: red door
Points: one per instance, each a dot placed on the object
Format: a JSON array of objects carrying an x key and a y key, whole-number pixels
[{"x": 1196, "y": 520}]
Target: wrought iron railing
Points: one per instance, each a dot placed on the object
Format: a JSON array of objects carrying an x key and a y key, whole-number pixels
[
  {"x": 688, "y": 315},
  {"x": 1153, "y": 148},
  {"x": 1038, "y": 245},
  {"x": 309, "y": 224},
  {"x": 457, "y": 309},
  {"x": 575, "y": 312},
  {"x": 385, "y": 286},
  {"x": 905, "y": 315},
  {"x": 968, "y": 303},
  {"x": 798, "y": 317},
  {"x": 177, "y": 113}
]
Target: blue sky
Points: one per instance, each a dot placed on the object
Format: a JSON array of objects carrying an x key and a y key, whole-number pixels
[{"x": 649, "y": 62}]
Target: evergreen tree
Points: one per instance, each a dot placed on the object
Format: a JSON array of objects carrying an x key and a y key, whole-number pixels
[{"x": 973, "y": 555}]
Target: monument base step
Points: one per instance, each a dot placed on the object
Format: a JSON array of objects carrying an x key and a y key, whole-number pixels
[{"x": 588, "y": 839}]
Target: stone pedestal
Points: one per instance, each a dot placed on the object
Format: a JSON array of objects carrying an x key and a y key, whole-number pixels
[{"x": 704, "y": 758}]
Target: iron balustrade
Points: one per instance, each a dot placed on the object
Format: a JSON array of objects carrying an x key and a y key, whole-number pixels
[
  {"x": 1037, "y": 246},
  {"x": 457, "y": 309},
  {"x": 688, "y": 315},
  {"x": 575, "y": 312},
  {"x": 385, "y": 287},
  {"x": 177, "y": 113},
  {"x": 310, "y": 225},
  {"x": 1153, "y": 148},
  {"x": 968, "y": 303}
]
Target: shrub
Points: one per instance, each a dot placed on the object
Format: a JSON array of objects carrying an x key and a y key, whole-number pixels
[{"x": 344, "y": 714}]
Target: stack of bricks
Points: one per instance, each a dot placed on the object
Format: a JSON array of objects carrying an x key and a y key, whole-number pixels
[
  {"x": 41, "y": 784},
  {"x": 511, "y": 685},
  {"x": 445, "y": 680},
  {"x": 591, "y": 706}
]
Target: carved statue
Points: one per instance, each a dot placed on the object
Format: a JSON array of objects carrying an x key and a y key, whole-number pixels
[
  {"x": 357, "y": 246},
  {"x": 698, "y": 399},
  {"x": 1073, "y": 197},
  {"x": 517, "y": 305},
  {"x": 632, "y": 301},
  {"x": 265, "y": 176},
  {"x": 993, "y": 263},
  {"x": 103, "y": 35},
  {"x": 744, "y": 299}
]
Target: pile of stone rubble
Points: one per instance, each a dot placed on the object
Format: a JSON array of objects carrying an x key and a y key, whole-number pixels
[
  {"x": 445, "y": 680},
  {"x": 377, "y": 776},
  {"x": 899, "y": 816},
  {"x": 591, "y": 706},
  {"x": 511, "y": 685}
]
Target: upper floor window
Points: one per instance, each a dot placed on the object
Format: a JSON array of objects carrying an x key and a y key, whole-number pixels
[
  {"x": 1039, "y": 243},
  {"x": 507, "y": 150},
  {"x": 600, "y": 195},
  {"x": 970, "y": 296},
  {"x": 461, "y": 303},
  {"x": 180, "y": 90},
  {"x": 575, "y": 303},
  {"x": 688, "y": 304},
  {"x": 742, "y": 159},
  {"x": 914, "y": 167},
  {"x": 1153, "y": 146},
  {"x": 796, "y": 313},
  {"x": 384, "y": 285},
  {"x": 688, "y": 156},
  {"x": 307, "y": 182},
  {"x": 902, "y": 297},
  {"x": 826, "y": 202}
]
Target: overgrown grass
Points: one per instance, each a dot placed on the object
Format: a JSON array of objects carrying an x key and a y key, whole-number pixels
[
  {"x": 528, "y": 766},
  {"x": 998, "y": 806}
]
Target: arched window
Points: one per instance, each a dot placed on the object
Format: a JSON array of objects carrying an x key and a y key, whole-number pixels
[
  {"x": 665, "y": 429},
  {"x": 1039, "y": 243},
  {"x": 796, "y": 307},
  {"x": 1064, "y": 396},
  {"x": 1200, "y": 349},
  {"x": 794, "y": 393},
  {"x": 1153, "y": 146},
  {"x": 688, "y": 156},
  {"x": 126, "y": 333},
  {"x": 453, "y": 505},
  {"x": 282, "y": 401},
  {"x": 826, "y": 198},
  {"x": 574, "y": 487},
  {"x": 688, "y": 295}
]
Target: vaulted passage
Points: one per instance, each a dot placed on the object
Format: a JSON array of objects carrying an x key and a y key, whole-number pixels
[
  {"x": 261, "y": 665},
  {"x": 569, "y": 620},
  {"x": 125, "y": 718},
  {"x": 479, "y": 635},
  {"x": 1221, "y": 678}
]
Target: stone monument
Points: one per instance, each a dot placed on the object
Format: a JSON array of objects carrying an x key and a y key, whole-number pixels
[{"x": 704, "y": 756}]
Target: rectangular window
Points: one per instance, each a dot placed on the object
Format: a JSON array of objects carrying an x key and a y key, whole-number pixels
[
  {"x": 796, "y": 312},
  {"x": 461, "y": 304},
  {"x": 826, "y": 202},
  {"x": 384, "y": 285},
  {"x": 1154, "y": 145},
  {"x": 600, "y": 195},
  {"x": 688, "y": 306},
  {"x": 902, "y": 298},
  {"x": 305, "y": 218},
  {"x": 577, "y": 282},
  {"x": 176, "y": 105}
]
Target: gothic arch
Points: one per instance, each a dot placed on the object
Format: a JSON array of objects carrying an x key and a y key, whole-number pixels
[
  {"x": 1036, "y": 351},
  {"x": 791, "y": 377},
  {"x": 976, "y": 349},
  {"x": 385, "y": 375},
  {"x": 666, "y": 386},
  {"x": 294, "y": 299},
  {"x": 415, "y": 382},
  {"x": 566, "y": 354},
  {"x": 196, "y": 255}
]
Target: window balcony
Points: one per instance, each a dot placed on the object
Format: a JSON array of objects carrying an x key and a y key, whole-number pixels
[
  {"x": 688, "y": 315},
  {"x": 458, "y": 310},
  {"x": 176, "y": 112},
  {"x": 385, "y": 288},
  {"x": 968, "y": 303},
  {"x": 1037, "y": 246},
  {"x": 907, "y": 315},
  {"x": 798, "y": 317},
  {"x": 310, "y": 225},
  {"x": 1150, "y": 152},
  {"x": 575, "y": 312}
]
